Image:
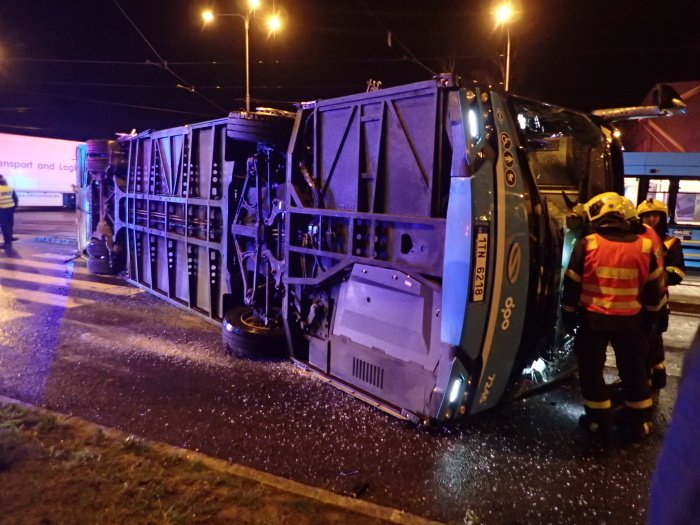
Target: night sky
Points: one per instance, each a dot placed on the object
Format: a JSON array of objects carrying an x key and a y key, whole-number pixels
[{"x": 80, "y": 69}]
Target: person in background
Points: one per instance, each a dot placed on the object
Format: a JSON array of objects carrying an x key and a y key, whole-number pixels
[
  {"x": 654, "y": 214},
  {"x": 8, "y": 204},
  {"x": 612, "y": 288},
  {"x": 675, "y": 485}
]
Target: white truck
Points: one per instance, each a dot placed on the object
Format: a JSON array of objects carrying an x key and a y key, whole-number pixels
[{"x": 41, "y": 170}]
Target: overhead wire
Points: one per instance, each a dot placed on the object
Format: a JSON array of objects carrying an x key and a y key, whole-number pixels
[
  {"x": 359, "y": 60},
  {"x": 154, "y": 86},
  {"x": 122, "y": 104},
  {"x": 534, "y": 52},
  {"x": 393, "y": 37},
  {"x": 164, "y": 63}
]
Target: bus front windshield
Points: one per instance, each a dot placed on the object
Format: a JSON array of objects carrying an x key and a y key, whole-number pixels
[{"x": 564, "y": 149}]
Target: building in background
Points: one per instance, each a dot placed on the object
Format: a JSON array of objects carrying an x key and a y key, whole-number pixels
[{"x": 662, "y": 161}]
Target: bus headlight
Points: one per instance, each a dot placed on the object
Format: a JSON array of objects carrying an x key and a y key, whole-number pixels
[
  {"x": 456, "y": 390},
  {"x": 473, "y": 123}
]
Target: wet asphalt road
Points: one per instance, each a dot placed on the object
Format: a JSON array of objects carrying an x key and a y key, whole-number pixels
[{"x": 110, "y": 353}]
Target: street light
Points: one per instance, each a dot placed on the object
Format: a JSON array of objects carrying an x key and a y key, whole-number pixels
[
  {"x": 504, "y": 14},
  {"x": 274, "y": 23}
]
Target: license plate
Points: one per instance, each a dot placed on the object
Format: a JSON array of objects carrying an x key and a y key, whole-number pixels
[{"x": 481, "y": 249}]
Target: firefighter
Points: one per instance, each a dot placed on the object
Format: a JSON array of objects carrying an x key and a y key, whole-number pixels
[
  {"x": 654, "y": 214},
  {"x": 638, "y": 227},
  {"x": 611, "y": 290},
  {"x": 8, "y": 203}
]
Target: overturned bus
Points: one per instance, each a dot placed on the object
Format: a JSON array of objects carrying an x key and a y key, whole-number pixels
[{"x": 406, "y": 244}]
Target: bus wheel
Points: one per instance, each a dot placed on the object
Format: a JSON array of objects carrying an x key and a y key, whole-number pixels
[
  {"x": 244, "y": 334},
  {"x": 97, "y": 249},
  {"x": 99, "y": 265}
]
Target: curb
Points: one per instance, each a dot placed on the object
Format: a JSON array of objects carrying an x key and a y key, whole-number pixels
[
  {"x": 321, "y": 495},
  {"x": 688, "y": 307}
]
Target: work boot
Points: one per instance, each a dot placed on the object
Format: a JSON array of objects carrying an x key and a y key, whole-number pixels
[
  {"x": 635, "y": 433},
  {"x": 658, "y": 377},
  {"x": 633, "y": 425},
  {"x": 594, "y": 428}
]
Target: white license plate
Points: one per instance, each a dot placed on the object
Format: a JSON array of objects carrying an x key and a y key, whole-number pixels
[{"x": 481, "y": 249}]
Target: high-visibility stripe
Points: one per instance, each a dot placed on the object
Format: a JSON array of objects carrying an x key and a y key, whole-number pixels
[
  {"x": 644, "y": 403},
  {"x": 616, "y": 273},
  {"x": 675, "y": 270},
  {"x": 646, "y": 245},
  {"x": 670, "y": 242},
  {"x": 573, "y": 276},
  {"x": 655, "y": 274},
  {"x": 6, "y": 200},
  {"x": 609, "y": 290},
  {"x": 658, "y": 306},
  {"x": 610, "y": 305},
  {"x": 591, "y": 242},
  {"x": 599, "y": 405}
]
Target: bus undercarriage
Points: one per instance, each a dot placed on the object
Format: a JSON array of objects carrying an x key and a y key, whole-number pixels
[{"x": 406, "y": 244}]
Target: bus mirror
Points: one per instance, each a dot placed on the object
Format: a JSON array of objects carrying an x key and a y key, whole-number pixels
[
  {"x": 667, "y": 102},
  {"x": 567, "y": 200}
]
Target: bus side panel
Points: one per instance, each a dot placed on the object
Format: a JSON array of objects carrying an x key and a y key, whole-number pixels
[
  {"x": 176, "y": 215},
  {"x": 510, "y": 235},
  {"x": 366, "y": 237}
]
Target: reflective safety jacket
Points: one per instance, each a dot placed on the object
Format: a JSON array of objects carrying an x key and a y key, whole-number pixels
[
  {"x": 8, "y": 198},
  {"x": 674, "y": 263},
  {"x": 657, "y": 248},
  {"x": 656, "y": 245},
  {"x": 613, "y": 274}
]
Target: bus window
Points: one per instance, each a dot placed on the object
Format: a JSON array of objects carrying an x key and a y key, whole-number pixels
[
  {"x": 688, "y": 202},
  {"x": 631, "y": 188},
  {"x": 658, "y": 189},
  {"x": 563, "y": 147}
]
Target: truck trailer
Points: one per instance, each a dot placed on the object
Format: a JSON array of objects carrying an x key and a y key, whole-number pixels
[
  {"x": 41, "y": 170},
  {"x": 406, "y": 244}
]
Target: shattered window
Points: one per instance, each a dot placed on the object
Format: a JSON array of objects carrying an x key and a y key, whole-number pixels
[{"x": 562, "y": 146}]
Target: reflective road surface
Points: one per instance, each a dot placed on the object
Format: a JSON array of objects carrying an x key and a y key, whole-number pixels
[{"x": 100, "y": 349}]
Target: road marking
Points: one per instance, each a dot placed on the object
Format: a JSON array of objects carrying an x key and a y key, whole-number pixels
[{"x": 79, "y": 284}]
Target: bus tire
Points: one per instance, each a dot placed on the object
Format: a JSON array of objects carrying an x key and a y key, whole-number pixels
[
  {"x": 97, "y": 249},
  {"x": 244, "y": 336},
  {"x": 99, "y": 265}
]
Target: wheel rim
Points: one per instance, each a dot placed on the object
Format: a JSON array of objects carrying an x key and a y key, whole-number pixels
[{"x": 249, "y": 320}]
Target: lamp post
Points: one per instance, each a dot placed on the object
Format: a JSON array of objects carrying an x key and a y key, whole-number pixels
[
  {"x": 503, "y": 15},
  {"x": 273, "y": 24}
]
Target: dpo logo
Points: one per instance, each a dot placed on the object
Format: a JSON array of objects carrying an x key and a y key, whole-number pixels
[{"x": 506, "y": 312}]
